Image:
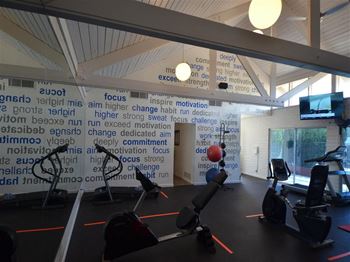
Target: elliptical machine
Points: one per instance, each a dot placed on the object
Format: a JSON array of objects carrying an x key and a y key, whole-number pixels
[
  {"x": 53, "y": 197},
  {"x": 125, "y": 232},
  {"x": 310, "y": 215},
  {"x": 107, "y": 193}
]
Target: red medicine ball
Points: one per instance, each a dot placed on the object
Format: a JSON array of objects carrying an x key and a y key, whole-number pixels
[{"x": 214, "y": 153}]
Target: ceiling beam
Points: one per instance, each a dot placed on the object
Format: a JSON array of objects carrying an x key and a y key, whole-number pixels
[
  {"x": 61, "y": 31},
  {"x": 116, "y": 56},
  {"x": 133, "y": 85},
  {"x": 100, "y": 62},
  {"x": 158, "y": 22},
  {"x": 314, "y": 27},
  {"x": 32, "y": 42},
  {"x": 250, "y": 71},
  {"x": 293, "y": 76},
  {"x": 301, "y": 86},
  {"x": 273, "y": 80}
]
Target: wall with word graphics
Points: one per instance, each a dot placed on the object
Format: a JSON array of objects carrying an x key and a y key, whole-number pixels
[{"x": 140, "y": 131}]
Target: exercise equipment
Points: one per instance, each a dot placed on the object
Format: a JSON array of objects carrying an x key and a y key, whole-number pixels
[
  {"x": 8, "y": 244},
  {"x": 125, "y": 232},
  {"x": 50, "y": 174},
  {"x": 214, "y": 153},
  {"x": 336, "y": 157},
  {"x": 211, "y": 174},
  {"x": 310, "y": 215},
  {"x": 108, "y": 194}
]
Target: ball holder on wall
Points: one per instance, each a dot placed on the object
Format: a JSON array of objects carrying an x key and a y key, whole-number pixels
[{"x": 221, "y": 164}]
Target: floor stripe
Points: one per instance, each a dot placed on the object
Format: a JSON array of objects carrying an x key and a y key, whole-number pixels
[
  {"x": 339, "y": 256},
  {"x": 39, "y": 229},
  {"x": 95, "y": 223},
  {"x": 142, "y": 217},
  {"x": 256, "y": 215},
  {"x": 163, "y": 194},
  {"x": 160, "y": 215},
  {"x": 222, "y": 245}
]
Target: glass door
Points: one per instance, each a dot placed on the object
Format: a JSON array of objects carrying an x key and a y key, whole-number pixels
[
  {"x": 295, "y": 145},
  {"x": 282, "y": 145},
  {"x": 311, "y": 143}
]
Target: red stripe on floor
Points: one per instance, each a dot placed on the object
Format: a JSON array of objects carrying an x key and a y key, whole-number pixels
[
  {"x": 163, "y": 194},
  {"x": 39, "y": 229},
  {"x": 142, "y": 217},
  {"x": 256, "y": 215},
  {"x": 95, "y": 223},
  {"x": 222, "y": 245},
  {"x": 339, "y": 256},
  {"x": 160, "y": 215}
]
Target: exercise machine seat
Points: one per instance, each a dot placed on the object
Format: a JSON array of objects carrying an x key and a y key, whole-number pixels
[
  {"x": 280, "y": 169},
  {"x": 220, "y": 179},
  {"x": 147, "y": 184},
  {"x": 187, "y": 219},
  {"x": 314, "y": 194}
]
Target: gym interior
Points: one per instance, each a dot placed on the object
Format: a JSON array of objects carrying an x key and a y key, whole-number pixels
[{"x": 172, "y": 129}]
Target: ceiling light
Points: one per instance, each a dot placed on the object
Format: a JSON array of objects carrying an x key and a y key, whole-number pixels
[
  {"x": 264, "y": 13},
  {"x": 258, "y": 31},
  {"x": 183, "y": 71}
]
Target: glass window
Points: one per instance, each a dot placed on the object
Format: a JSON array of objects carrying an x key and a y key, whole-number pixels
[
  {"x": 282, "y": 89},
  {"x": 344, "y": 85},
  {"x": 297, "y": 145},
  {"x": 294, "y": 100},
  {"x": 322, "y": 86}
]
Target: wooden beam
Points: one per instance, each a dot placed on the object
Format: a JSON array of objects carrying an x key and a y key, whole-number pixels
[
  {"x": 32, "y": 42},
  {"x": 133, "y": 85},
  {"x": 248, "y": 68},
  {"x": 95, "y": 64},
  {"x": 301, "y": 86},
  {"x": 158, "y": 22},
  {"x": 314, "y": 27}
]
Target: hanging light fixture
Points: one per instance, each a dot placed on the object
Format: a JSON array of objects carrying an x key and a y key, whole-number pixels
[
  {"x": 183, "y": 70},
  {"x": 264, "y": 13},
  {"x": 258, "y": 31}
]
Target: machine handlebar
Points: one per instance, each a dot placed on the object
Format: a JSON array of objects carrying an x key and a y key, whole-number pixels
[
  {"x": 118, "y": 169},
  {"x": 56, "y": 171}
]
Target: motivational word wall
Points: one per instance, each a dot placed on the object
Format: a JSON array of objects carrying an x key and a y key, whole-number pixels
[
  {"x": 141, "y": 133},
  {"x": 33, "y": 121},
  {"x": 228, "y": 69}
]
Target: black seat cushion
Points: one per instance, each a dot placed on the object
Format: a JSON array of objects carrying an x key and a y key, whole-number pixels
[
  {"x": 318, "y": 181},
  {"x": 187, "y": 219}
]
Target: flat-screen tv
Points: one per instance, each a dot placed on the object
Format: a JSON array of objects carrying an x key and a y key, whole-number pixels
[{"x": 325, "y": 106}]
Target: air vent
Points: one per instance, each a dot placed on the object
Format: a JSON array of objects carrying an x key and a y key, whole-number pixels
[
  {"x": 141, "y": 95},
  {"x": 215, "y": 103},
  {"x": 21, "y": 83}
]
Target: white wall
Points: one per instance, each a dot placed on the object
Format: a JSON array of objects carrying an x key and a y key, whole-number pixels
[
  {"x": 255, "y": 133},
  {"x": 185, "y": 151}
]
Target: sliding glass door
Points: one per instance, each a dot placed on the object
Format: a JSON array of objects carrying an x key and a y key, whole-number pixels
[{"x": 296, "y": 145}]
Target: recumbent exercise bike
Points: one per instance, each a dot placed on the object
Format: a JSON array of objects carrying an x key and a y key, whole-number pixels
[
  {"x": 310, "y": 215},
  {"x": 125, "y": 232}
]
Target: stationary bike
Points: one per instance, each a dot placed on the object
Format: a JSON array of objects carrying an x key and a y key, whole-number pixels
[
  {"x": 126, "y": 233},
  {"x": 310, "y": 215}
]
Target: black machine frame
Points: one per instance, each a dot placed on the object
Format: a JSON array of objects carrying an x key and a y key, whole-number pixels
[
  {"x": 108, "y": 194},
  {"x": 125, "y": 232},
  {"x": 310, "y": 215},
  {"x": 53, "y": 198}
]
